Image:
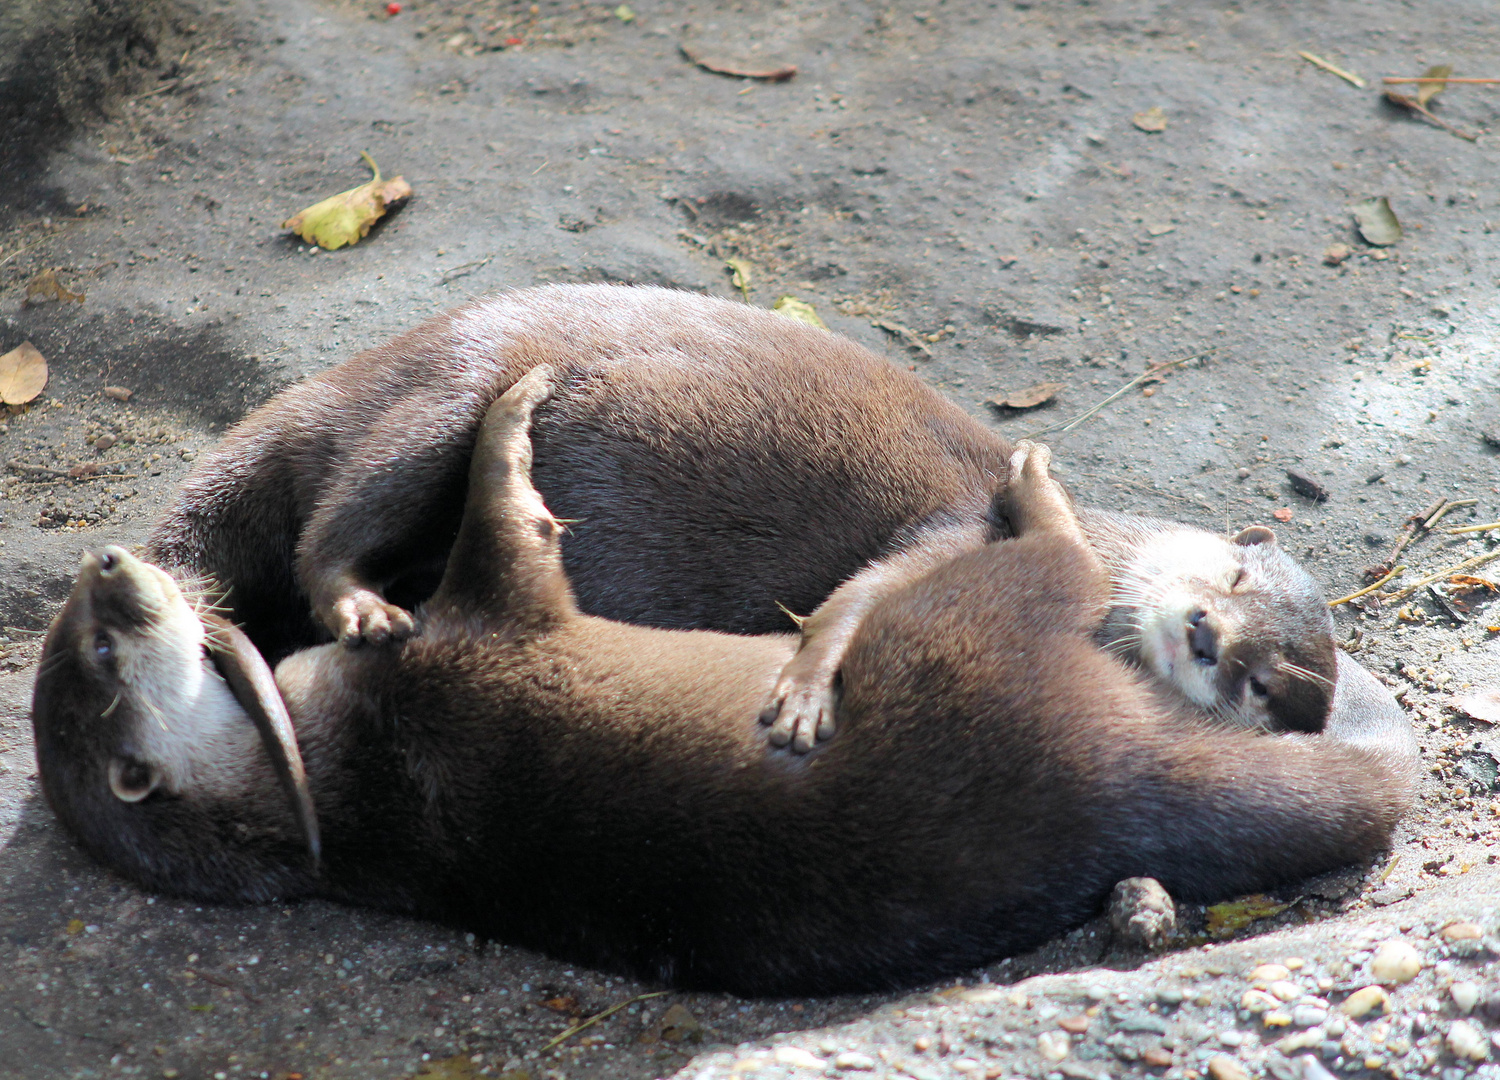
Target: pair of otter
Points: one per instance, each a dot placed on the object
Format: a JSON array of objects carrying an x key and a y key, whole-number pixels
[{"x": 603, "y": 791}]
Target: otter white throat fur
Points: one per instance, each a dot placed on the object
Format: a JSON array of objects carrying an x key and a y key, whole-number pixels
[
  {"x": 604, "y": 791},
  {"x": 720, "y": 465}
]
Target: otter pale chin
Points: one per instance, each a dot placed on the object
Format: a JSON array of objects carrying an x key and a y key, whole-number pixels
[
  {"x": 157, "y": 711},
  {"x": 1233, "y": 623}
]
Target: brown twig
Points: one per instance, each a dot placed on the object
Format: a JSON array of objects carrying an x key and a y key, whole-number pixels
[
  {"x": 1473, "y": 529},
  {"x": 1467, "y": 564},
  {"x": 1414, "y": 525},
  {"x": 1391, "y": 80},
  {"x": 228, "y": 984},
  {"x": 1367, "y": 589},
  {"x": 1416, "y": 106},
  {"x": 1151, "y": 372}
]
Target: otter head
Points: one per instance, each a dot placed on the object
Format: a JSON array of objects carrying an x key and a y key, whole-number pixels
[
  {"x": 1233, "y": 623},
  {"x": 163, "y": 745}
]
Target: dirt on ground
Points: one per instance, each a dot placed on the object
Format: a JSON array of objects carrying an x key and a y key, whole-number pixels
[{"x": 1148, "y": 204}]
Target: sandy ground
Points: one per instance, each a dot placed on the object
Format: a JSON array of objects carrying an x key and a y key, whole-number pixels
[{"x": 957, "y": 185}]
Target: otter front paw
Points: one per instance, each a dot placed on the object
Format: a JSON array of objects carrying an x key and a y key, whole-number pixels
[
  {"x": 361, "y": 615},
  {"x": 1033, "y": 500},
  {"x": 801, "y": 710}
]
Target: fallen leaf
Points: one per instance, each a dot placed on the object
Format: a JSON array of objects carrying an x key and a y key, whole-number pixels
[
  {"x": 1226, "y": 918},
  {"x": 118, "y": 393},
  {"x": 678, "y": 1025},
  {"x": 1284, "y": 514},
  {"x": 1160, "y": 230},
  {"x": 1426, "y": 91},
  {"x": 457, "y": 1067},
  {"x": 722, "y": 65},
  {"x": 1482, "y": 705},
  {"x": 1377, "y": 221},
  {"x": 563, "y": 1003},
  {"x": 740, "y": 269},
  {"x": 74, "y": 927},
  {"x": 45, "y": 286},
  {"x": 800, "y": 310},
  {"x": 624, "y": 13},
  {"x": 1029, "y": 398},
  {"x": 1153, "y": 119},
  {"x": 346, "y": 218},
  {"x": 1306, "y": 486},
  {"x": 23, "y": 374},
  {"x": 905, "y": 333}
]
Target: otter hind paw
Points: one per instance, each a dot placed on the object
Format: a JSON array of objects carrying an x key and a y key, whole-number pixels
[
  {"x": 1035, "y": 501},
  {"x": 800, "y": 714},
  {"x": 364, "y": 616}
]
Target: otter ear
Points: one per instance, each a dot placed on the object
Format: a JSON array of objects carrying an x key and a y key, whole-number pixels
[
  {"x": 131, "y": 780},
  {"x": 254, "y": 687},
  {"x": 1255, "y": 534}
]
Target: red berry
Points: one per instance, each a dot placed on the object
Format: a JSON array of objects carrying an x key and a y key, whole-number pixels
[
  {"x": 512, "y": 41},
  {"x": 393, "y": 8}
]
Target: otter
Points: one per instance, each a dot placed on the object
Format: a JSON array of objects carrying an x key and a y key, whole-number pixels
[
  {"x": 720, "y": 466},
  {"x": 604, "y": 792}
]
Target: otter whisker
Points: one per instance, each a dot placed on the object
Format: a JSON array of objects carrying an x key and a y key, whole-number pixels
[
  {"x": 112, "y": 706},
  {"x": 1304, "y": 674},
  {"x": 160, "y": 719}
]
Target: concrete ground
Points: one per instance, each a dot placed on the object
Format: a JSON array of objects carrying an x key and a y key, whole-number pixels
[{"x": 959, "y": 185}]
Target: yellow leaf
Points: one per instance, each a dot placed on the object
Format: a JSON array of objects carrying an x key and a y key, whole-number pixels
[
  {"x": 624, "y": 14},
  {"x": 741, "y": 271},
  {"x": 45, "y": 286},
  {"x": 23, "y": 374},
  {"x": 1153, "y": 119},
  {"x": 800, "y": 310},
  {"x": 1428, "y": 90},
  {"x": 1226, "y": 918},
  {"x": 346, "y": 218},
  {"x": 75, "y": 927}
]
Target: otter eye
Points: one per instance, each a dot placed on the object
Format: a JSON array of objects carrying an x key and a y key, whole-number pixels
[
  {"x": 104, "y": 646},
  {"x": 131, "y": 780},
  {"x": 1239, "y": 579},
  {"x": 1259, "y": 688}
]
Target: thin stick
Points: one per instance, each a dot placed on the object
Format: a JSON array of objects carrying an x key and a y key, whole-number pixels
[
  {"x": 1391, "y": 80},
  {"x": 1366, "y": 590},
  {"x": 1416, "y": 106},
  {"x": 1473, "y": 528},
  {"x": 1446, "y": 509},
  {"x": 1467, "y": 564},
  {"x": 591, "y": 1021},
  {"x": 1149, "y": 373},
  {"x": 1318, "y": 61}
]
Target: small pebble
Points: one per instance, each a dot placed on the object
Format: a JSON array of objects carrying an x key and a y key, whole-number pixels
[
  {"x": 1467, "y": 1042},
  {"x": 1231, "y": 1037},
  {"x": 963, "y": 1065},
  {"x": 1257, "y": 1001},
  {"x": 1224, "y": 1067},
  {"x": 1465, "y": 996},
  {"x": 1334, "y": 254},
  {"x": 1074, "y": 1025},
  {"x": 1052, "y": 1045},
  {"x": 1276, "y": 1018},
  {"x": 859, "y": 1062},
  {"x": 1098, "y": 993},
  {"x": 1158, "y": 1057},
  {"x": 1285, "y": 991},
  {"x": 1395, "y": 962},
  {"x": 1141, "y": 914},
  {"x": 1336, "y": 1027},
  {"x": 798, "y": 1058},
  {"x": 118, "y": 393},
  {"x": 921, "y": 1044},
  {"x": 981, "y": 995},
  {"x": 1269, "y": 973},
  {"x": 1307, "y": 1016},
  {"x": 1302, "y": 1040},
  {"x": 1364, "y": 1001},
  {"x": 1312, "y": 1069},
  {"x": 1294, "y": 963},
  {"x": 104, "y": 442},
  {"x": 1172, "y": 995}
]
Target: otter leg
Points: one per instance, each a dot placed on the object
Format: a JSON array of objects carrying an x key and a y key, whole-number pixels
[
  {"x": 802, "y": 707},
  {"x": 506, "y": 564},
  {"x": 1034, "y": 502}
]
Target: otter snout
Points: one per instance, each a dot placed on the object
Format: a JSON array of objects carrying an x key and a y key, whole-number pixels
[{"x": 1203, "y": 638}]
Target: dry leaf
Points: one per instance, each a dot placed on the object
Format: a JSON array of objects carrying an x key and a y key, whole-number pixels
[
  {"x": 45, "y": 286},
  {"x": 740, "y": 270},
  {"x": 1153, "y": 119},
  {"x": 1377, "y": 221},
  {"x": 1482, "y": 705},
  {"x": 1428, "y": 90},
  {"x": 346, "y": 218},
  {"x": 800, "y": 310},
  {"x": 723, "y": 65},
  {"x": 1283, "y": 515},
  {"x": 1029, "y": 398},
  {"x": 1160, "y": 230},
  {"x": 564, "y": 1003},
  {"x": 23, "y": 374}
]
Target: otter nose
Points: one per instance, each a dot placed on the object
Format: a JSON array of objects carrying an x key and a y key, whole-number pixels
[
  {"x": 1202, "y": 639},
  {"x": 109, "y": 559}
]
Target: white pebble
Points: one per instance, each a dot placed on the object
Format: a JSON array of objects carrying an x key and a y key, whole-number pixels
[
  {"x": 1465, "y": 996},
  {"x": 1307, "y": 1016},
  {"x": 854, "y": 1061},
  {"x": 798, "y": 1058},
  {"x": 1269, "y": 973},
  {"x": 1285, "y": 991},
  {"x": 1257, "y": 1001},
  {"x": 1467, "y": 1041},
  {"x": 1052, "y": 1045},
  {"x": 1231, "y": 1038},
  {"x": 1395, "y": 962},
  {"x": 1365, "y": 1000}
]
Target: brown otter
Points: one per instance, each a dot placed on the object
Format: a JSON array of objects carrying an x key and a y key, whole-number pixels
[
  {"x": 719, "y": 465},
  {"x": 625, "y": 811}
]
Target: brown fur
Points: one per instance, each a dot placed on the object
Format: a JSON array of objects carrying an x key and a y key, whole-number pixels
[
  {"x": 718, "y": 465},
  {"x": 602, "y": 791}
]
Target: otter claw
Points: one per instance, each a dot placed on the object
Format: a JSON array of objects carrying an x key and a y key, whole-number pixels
[
  {"x": 800, "y": 717},
  {"x": 365, "y": 617}
]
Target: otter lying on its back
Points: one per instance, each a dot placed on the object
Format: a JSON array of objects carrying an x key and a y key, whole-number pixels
[
  {"x": 603, "y": 791},
  {"x": 719, "y": 465}
]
